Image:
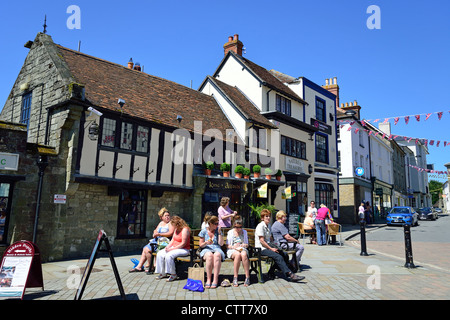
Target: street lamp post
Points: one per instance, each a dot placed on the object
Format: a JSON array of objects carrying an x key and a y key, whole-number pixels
[{"x": 42, "y": 163}]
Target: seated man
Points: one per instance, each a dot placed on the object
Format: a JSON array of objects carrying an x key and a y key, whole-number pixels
[
  {"x": 262, "y": 241},
  {"x": 284, "y": 240}
]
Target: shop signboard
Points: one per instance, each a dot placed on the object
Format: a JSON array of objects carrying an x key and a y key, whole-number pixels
[
  {"x": 9, "y": 161},
  {"x": 20, "y": 269}
]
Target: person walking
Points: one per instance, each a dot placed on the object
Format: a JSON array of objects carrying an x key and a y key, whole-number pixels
[{"x": 322, "y": 214}]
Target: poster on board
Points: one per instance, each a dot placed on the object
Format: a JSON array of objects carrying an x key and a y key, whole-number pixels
[{"x": 20, "y": 269}]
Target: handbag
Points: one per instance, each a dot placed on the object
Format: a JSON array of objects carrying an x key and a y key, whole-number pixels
[
  {"x": 162, "y": 243},
  {"x": 196, "y": 273},
  {"x": 194, "y": 285}
]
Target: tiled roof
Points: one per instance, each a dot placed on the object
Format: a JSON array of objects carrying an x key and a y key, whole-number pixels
[
  {"x": 247, "y": 108},
  {"x": 146, "y": 96},
  {"x": 269, "y": 79}
]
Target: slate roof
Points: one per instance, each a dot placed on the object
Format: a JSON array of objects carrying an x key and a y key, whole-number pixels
[{"x": 147, "y": 97}]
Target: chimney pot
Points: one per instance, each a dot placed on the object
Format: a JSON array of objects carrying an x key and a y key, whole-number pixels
[
  {"x": 130, "y": 63},
  {"x": 346, "y": 104},
  {"x": 326, "y": 82},
  {"x": 137, "y": 66},
  {"x": 230, "y": 38},
  {"x": 335, "y": 80},
  {"x": 236, "y": 37}
]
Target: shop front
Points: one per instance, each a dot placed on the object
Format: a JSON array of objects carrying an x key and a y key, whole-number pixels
[{"x": 382, "y": 198}]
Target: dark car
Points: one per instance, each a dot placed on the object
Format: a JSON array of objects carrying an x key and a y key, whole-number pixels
[
  {"x": 427, "y": 213},
  {"x": 402, "y": 215}
]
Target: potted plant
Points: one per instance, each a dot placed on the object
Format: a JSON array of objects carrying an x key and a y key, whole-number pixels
[
  {"x": 208, "y": 166},
  {"x": 256, "y": 171},
  {"x": 268, "y": 173},
  {"x": 225, "y": 167},
  {"x": 278, "y": 174},
  {"x": 238, "y": 171},
  {"x": 246, "y": 173}
]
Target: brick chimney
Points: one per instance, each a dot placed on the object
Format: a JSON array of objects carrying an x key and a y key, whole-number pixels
[
  {"x": 137, "y": 66},
  {"x": 332, "y": 86},
  {"x": 352, "y": 106},
  {"x": 234, "y": 45}
]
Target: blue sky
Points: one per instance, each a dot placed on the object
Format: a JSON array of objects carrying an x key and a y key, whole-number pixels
[{"x": 400, "y": 69}]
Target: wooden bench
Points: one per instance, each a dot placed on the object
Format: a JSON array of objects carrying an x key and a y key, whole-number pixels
[{"x": 255, "y": 257}]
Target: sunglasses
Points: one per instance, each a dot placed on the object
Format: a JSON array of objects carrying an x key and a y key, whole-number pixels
[{"x": 238, "y": 227}]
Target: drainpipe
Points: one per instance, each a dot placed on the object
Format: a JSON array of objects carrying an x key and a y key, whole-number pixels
[{"x": 42, "y": 163}]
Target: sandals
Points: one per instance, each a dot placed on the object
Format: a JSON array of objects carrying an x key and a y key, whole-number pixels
[
  {"x": 247, "y": 282},
  {"x": 172, "y": 278},
  {"x": 159, "y": 277},
  {"x": 214, "y": 286},
  {"x": 136, "y": 270},
  {"x": 235, "y": 282}
]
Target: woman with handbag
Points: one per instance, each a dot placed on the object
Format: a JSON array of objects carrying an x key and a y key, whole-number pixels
[
  {"x": 177, "y": 247},
  {"x": 211, "y": 240},
  {"x": 237, "y": 244},
  {"x": 164, "y": 229}
]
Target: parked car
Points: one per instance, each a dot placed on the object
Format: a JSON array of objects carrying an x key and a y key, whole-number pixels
[
  {"x": 427, "y": 213},
  {"x": 438, "y": 210},
  {"x": 402, "y": 215}
]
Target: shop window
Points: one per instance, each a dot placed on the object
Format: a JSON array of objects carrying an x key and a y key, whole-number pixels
[
  {"x": 132, "y": 214},
  {"x": 5, "y": 203}
]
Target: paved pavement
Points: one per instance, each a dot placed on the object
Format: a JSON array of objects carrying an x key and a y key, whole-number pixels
[{"x": 332, "y": 272}]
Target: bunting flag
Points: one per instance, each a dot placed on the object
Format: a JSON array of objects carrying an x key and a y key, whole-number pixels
[
  {"x": 406, "y": 118},
  {"x": 424, "y": 141},
  {"x": 428, "y": 170},
  {"x": 262, "y": 191},
  {"x": 286, "y": 193}
]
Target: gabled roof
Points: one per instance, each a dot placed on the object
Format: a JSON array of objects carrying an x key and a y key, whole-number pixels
[
  {"x": 147, "y": 97},
  {"x": 263, "y": 75},
  {"x": 240, "y": 102}
]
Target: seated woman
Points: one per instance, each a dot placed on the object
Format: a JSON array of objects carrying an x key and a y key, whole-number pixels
[
  {"x": 164, "y": 229},
  {"x": 237, "y": 244},
  {"x": 211, "y": 239},
  {"x": 310, "y": 227},
  {"x": 177, "y": 247}
]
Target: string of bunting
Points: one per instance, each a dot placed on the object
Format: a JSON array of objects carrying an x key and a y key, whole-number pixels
[
  {"x": 427, "y": 170},
  {"x": 406, "y": 118},
  {"x": 426, "y": 142}
]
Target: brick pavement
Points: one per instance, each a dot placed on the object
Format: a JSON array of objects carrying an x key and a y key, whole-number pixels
[{"x": 332, "y": 273}]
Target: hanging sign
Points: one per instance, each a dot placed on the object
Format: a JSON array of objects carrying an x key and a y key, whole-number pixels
[
  {"x": 359, "y": 171},
  {"x": 21, "y": 268}
]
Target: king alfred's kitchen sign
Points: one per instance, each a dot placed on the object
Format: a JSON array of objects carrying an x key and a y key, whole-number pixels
[
  {"x": 9, "y": 161},
  {"x": 321, "y": 126}
]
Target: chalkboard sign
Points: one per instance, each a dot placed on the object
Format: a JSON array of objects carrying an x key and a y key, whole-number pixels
[
  {"x": 101, "y": 238},
  {"x": 20, "y": 269},
  {"x": 292, "y": 223}
]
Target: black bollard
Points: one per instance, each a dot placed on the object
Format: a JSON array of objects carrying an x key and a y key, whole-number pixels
[
  {"x": 408, "y": 247},
  {"x": 363, "y": 238}
]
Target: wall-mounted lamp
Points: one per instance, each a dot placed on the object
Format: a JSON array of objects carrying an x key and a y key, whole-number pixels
[
  {"x": 310, "y": 169},
  {"x": 93, "y": 131}
]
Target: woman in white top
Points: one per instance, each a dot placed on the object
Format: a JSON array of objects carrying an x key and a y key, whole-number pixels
[{"x": 237, "y": 244}]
